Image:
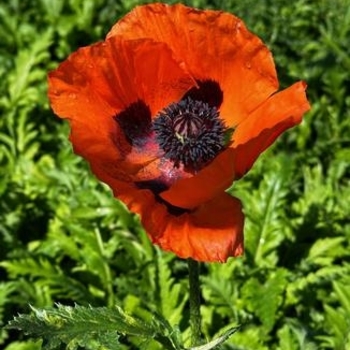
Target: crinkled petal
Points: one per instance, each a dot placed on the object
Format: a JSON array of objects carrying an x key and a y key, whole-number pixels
[
  {"x": 212, "y": 232},
  {"x": 119, "y": 73},
  {"x": 99, "y": 81},
  {"x": 281, "y": 111},
  {"x": 214, "y": 46}
]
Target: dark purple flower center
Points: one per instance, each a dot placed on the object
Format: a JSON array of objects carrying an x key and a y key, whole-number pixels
[{"x": 190, "y": 133}]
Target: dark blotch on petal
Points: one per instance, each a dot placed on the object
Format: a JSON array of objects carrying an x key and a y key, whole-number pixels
[
  {"x": 136, "y": 122},
  {"x": 172, "y": 209},
  {"x": 209, "y": 92},
  {"x": 157, "y": 186}
]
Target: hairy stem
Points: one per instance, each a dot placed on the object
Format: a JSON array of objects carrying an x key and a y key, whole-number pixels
[{"x": 195, "y": 316}]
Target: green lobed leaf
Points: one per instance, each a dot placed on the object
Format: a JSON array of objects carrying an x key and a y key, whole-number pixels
[
  {"x": 80, "y": 326},
  {"x": 172, "y": 297},
  {"x": 326, "y": 249},
  {"x": 265, "y": 298},
  {"x": 343, "y": 294}
]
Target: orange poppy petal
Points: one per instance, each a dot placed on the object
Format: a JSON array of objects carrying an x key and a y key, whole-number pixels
[
  {"x": 97, "y": 82},
  {"x": 206, "y": 184},
  {"x": 72, "y": 97},
  {"x": 252, "y": 136},
  {"x": 212, "y": 232},
  {"x": 214, "y": 46},
  {"x": 155, "y": 56},
  {"x": 135, "y": 166},
  {"x": 160, "y": 79},
  {"x": 119, "y": 73},
  {"x": 281, "y": 111}
]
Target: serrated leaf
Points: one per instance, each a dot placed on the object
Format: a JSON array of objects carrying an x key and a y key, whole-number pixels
[
  {"x": 265, "y": 298},
  {"x": 80, "y": 326},
  {"x": 171, "y": 297},
  {"x": 287, "y": 339},
  {"x": 326, "y": 248},
  {"x": 266, "y": 225},
  {"x": 294, "y": 336},
  {"x": 343, "y": 294},
  {"x": 29, "y": 266},
  {"x": 337, "y": 323}
]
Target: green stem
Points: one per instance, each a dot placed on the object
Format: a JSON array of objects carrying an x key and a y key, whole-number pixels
[{"x": 195, "y": 302}]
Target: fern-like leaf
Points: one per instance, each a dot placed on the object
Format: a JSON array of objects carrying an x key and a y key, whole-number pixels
[
  {"x": 80, "y": 326},
  {"x": 266, "y": 298},
  {"x": 172, "y": 298}
]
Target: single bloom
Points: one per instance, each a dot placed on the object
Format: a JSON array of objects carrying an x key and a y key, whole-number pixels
[{"x": 169, "y": 110}]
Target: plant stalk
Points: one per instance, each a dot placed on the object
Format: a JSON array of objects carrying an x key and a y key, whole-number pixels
[{"x": 195, "y": 302}]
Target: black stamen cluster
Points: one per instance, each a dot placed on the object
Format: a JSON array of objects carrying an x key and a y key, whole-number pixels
[{"x": 190, "y": 133}]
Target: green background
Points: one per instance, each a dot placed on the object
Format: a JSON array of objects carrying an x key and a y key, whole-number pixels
[{"x": 63, "y": 238}]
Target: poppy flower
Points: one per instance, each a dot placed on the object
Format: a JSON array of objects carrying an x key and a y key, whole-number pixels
[{"x": 171, "y": 108}]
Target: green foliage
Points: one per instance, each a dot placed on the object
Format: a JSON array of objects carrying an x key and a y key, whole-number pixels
[
  {"x": 268, "y": 225},
  {"x": 28, "y": 345},
  {"x": 337, "y": 320},
  {"x": 85, "y": 327},
  {"x": 265, "y": 299},
  {"x": 96, "y": 328},
  {"x": 64, "y": 239}
]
